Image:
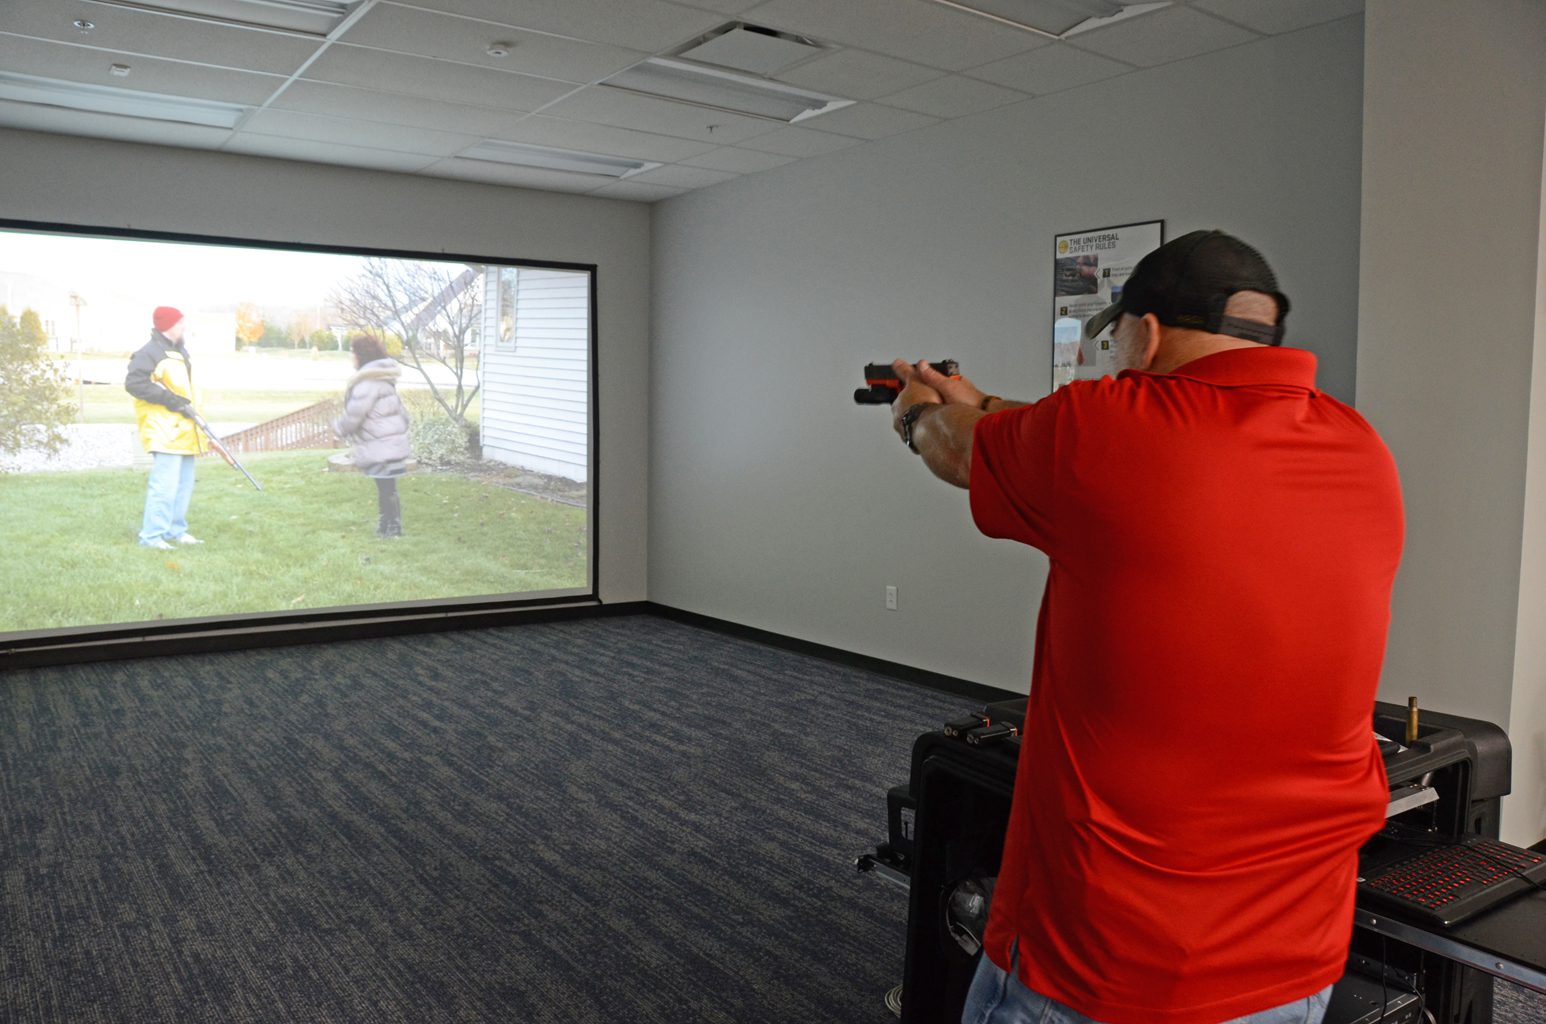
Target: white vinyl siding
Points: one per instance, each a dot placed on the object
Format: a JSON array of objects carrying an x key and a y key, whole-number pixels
[{"x": 536, "y": 391}]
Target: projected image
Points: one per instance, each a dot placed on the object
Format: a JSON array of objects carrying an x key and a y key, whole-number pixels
[{"x": 192, "y": 431}]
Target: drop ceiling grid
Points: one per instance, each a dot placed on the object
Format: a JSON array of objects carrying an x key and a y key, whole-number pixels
[{"x": 410, "y": 81}]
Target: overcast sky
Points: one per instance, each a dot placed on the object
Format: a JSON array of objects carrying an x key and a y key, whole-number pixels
[{"x": 178, "y": 274}]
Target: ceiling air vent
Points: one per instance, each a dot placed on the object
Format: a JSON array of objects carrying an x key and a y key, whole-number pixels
[
  {"x": 722, "y": 89},
  {"x": 1055, "y": 18},
  {"x": 750, "y": 48}
]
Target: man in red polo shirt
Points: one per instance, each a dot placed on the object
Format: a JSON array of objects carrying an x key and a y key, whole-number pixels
[{"x": 1198, "y": 768}]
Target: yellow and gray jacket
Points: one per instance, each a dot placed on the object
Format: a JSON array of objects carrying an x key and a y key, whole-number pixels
[{"x": 161, "y": 381}]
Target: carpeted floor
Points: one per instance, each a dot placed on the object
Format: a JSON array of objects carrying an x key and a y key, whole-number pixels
[{"x": 613, "y": 820}]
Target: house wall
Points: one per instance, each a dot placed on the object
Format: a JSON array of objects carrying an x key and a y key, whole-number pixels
[
  {"x": 536, "y": 383},
  {"x": 63, "y": 180}
]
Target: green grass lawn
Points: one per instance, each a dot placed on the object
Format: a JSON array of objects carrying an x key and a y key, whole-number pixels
[{"x": 306, "y": 541}]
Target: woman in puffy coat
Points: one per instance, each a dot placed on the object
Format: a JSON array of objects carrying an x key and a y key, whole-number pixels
[{"x": 376, "y": 424}]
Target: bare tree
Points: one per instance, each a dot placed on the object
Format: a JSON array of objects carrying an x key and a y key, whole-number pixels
[{"x": 433, "y": 308}]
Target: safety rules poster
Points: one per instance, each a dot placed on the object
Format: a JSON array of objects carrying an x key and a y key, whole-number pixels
[{"x": 1089, "y": 269}]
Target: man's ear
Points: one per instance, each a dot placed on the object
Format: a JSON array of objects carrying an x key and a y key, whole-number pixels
[{"x": 1149, "y": 329}]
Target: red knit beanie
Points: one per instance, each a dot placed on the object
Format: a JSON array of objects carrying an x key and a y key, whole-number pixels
[{"x": 165, "y": 317}]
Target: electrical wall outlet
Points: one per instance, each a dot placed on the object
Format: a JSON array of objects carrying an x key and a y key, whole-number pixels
[{"x": 891, "y": 598}]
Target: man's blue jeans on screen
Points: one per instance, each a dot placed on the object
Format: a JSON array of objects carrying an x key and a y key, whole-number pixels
[
  {"x": 167, "y": 497},
  {"x": 997, "y": 997}
]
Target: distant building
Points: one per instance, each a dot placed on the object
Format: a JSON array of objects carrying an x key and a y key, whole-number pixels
[
  {"x": 20, "y": 292},
  {"x": 91, "y": 322}
]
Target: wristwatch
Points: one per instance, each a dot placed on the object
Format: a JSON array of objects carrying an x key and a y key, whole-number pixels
[{"x": 910, "y": 417}]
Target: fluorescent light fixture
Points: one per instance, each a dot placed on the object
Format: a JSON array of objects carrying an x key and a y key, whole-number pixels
[
  {"x": 525, "y": 155},
  {"x": 102, "y": 99},
  {"x": 1055, "y": 18},
  {"x": 718, "y": 89},
  {"x": 307, "y": 17}
]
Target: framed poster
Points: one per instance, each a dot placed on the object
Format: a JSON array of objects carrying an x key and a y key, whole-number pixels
[{"x": 1089, "y": 268}]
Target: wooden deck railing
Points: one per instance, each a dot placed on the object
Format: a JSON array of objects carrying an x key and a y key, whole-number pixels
[{"x": 311, "y": 427}]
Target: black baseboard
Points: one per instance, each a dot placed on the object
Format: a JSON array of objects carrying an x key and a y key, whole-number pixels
[
  {"x": 228, "y": 637},
  {"x": 977, "y": 692}
]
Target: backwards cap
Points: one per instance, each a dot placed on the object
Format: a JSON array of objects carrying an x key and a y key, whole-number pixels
[{"x": 1187, "y": 281}]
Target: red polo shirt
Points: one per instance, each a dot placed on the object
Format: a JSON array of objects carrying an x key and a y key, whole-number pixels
[{"x": 1198, "y": 769}]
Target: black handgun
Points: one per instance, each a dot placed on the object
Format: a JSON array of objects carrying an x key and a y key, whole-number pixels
[{"x": 882, "y": 385}]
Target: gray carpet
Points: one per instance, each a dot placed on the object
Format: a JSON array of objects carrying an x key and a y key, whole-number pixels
[{"x": 611, "y": 820}]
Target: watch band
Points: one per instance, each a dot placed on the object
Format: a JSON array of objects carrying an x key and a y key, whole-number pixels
[{"x": 910, "y": 417}]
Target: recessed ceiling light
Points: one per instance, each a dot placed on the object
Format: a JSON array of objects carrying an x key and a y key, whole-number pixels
[
  {"x": 719, "y": 89},
  {"x": 305, "y": 17},
  {"x": 118, "y": 70},
  {"x": 84, "y": 25},
  {"x": 499, "y": 49},
  {"x": 523, "y": 154},
  {"x": 103, "y": 99}
]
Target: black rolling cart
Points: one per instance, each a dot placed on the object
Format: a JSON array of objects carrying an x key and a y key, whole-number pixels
[{"x": 946, "y": 827}]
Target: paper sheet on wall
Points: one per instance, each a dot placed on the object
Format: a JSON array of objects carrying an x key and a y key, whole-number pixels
[{"x": 1089, "y": 269}]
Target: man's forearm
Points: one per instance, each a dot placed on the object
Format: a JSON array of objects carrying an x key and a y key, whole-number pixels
[{"x": 943, "y": 436}]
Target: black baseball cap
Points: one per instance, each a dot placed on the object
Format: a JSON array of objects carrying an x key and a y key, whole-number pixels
[{"x": 1187, "y": 281}]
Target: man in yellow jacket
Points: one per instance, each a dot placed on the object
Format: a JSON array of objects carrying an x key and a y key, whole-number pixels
[{"x": 161, "y": 381}]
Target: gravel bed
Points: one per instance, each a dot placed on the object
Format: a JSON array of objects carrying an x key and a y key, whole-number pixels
[{"x": 92, "y": 446}]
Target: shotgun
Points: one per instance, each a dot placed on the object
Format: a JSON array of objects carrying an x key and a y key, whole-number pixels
[{"x": 220, "y": 448}]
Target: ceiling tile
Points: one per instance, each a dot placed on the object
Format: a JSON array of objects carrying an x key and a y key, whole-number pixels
[
  {"x": 347, "y": 101},
  {"x": 651, "y": 25},
  {"x": 722, "y": 6},
  {"x": 870, "y": 121},
  {"x": 1162, "y": 36},
  {"x": 1050, "y": 69},
  {"x": 124, "y": 30},
  {"x": 954, "y": 96},
  {"x": 1273, "y": 16},
  {"x": 621, "y": 109},
  {"x": 637, "y": 191},
  {"x": 147, "y": 74},
  {"x": 916, "y": 30},
  {"x": 509, "y": 174},
  {"x": 371, "y": 134},
  {"x": 447, "y": 37},
  {"x": 327, "y": 153},
  {"x": 858, "y": 75},
  {"x": 799, "y": 142},
  {"x": 108, "y": 126},
  {"x": 679, "y": 176},
  {"x": 434, "y": 79},
  {"x": 603, "y": 139},
  {"x": 741, "y": 161}
]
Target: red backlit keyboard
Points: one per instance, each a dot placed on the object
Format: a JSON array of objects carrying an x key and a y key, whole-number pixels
[{"x": 1447, "y": 884}]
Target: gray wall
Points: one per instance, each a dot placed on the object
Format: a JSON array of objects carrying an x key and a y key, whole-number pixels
[
  {"x": 110, "y": 184},
  {"x": 778, "y": 503},
  {"x": 1448, "y": 336}
]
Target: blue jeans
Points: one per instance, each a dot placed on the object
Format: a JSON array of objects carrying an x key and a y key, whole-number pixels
[
  {"x": 167, "y": 497},
  {"x": 997, "y": 997}
]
